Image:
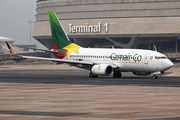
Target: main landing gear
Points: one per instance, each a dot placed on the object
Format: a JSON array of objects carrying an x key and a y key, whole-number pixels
[
  {"x": 117, "y": 74},
  {"x": 91, "y": 75}
]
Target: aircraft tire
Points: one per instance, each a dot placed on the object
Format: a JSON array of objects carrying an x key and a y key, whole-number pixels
[
  {"x": 117, "y": 75},
  {"x": 91, "y": 75},
  {"x": 120, "y": 75},
  {"x": 155, "y": 77}
]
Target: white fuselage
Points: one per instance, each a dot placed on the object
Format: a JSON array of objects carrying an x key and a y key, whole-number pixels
[{"x": 125, "y": 60}]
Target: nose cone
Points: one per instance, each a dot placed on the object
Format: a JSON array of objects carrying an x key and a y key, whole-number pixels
[{"x": 168, "y": 64}]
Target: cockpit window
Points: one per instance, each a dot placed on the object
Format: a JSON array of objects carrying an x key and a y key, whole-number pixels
[
  {"x": 159, "y": 57},
  {"x": 163, "y": 57}
]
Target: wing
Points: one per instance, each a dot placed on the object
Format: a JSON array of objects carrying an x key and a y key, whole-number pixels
[
  {"x": 58, "y": 60},
  {"x": 80, "y": 64}
]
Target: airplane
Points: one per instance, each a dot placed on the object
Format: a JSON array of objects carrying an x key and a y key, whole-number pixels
[{"x": 102, "y": 61}]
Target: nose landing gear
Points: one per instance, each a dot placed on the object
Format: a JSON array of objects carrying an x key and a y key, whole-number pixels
[{"x": 155, "y": 76}]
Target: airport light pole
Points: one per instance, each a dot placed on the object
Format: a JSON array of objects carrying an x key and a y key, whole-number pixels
[{"x": 30, "y": 22}]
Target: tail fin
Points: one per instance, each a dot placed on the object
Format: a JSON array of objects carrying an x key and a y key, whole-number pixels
[
  {"x": 60, "y": 40},
  {"x": 10, "y": 49},
  {"x": 154, "y": 48}
]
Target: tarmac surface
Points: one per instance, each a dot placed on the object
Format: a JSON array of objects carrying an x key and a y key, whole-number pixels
[{"x": 59, "y": 92}]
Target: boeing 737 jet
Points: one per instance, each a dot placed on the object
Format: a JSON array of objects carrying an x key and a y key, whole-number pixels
[{"x": 102, "y": 61}]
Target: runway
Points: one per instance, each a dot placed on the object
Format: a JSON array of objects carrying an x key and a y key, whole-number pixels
[
  {"x": 72, "y": 95},
  {"x": 82, "y": 77}
]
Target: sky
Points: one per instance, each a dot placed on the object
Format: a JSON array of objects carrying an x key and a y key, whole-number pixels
[{"x": 14, "y": 17}]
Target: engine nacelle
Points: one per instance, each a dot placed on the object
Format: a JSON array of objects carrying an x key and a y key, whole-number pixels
[
  {"x": 141, "y": 73},
  {"x": 102, "y": 69}
]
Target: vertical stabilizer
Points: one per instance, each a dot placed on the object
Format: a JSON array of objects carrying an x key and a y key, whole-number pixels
[
  {"x": 10, "y": 49},
  {"x": 154, "y": 48},
  {"x": 60, "y": 40}
]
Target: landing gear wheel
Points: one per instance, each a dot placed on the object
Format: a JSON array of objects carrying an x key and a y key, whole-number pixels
[
  {"x": 91, "y": 75},
  {"x": 155, "y": 77},
  {"x": 117, "y": 75}
]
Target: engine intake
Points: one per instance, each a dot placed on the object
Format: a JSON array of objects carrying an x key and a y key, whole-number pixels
[{"x": 102, "y": 69}]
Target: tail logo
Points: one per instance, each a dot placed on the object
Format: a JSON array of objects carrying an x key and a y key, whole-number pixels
[
  {"x": 61, "y": 42},
  {"x": 72, "y": 48}
]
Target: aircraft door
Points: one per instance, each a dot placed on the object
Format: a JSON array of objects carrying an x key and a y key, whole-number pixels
[{"x": 146, "y": 59}]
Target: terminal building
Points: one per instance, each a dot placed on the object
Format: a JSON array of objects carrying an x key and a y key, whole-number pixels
[{"x": 118, "y": 23}]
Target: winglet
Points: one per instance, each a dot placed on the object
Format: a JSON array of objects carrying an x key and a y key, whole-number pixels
[
  {"x": 10, "y": 49},
  {"x": 154, "y": 48}
]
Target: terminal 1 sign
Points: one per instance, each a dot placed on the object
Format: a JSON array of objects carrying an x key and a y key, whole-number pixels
[{"x": 87, "y": 28}]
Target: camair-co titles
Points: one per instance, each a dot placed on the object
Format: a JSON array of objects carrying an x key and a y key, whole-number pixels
[{"x": 135, "y": 57}]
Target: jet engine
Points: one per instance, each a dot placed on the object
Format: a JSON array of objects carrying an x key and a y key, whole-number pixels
[
  {"x": 141, "y": 73},
  {"x": 102, "y": 69}
]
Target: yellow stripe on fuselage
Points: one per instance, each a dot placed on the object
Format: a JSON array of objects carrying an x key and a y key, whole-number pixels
[{"x": 72, "y": 48}]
